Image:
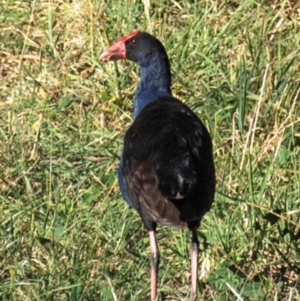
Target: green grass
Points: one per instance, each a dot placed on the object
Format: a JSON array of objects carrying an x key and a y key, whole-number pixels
[{"x": 65, "y": 232}]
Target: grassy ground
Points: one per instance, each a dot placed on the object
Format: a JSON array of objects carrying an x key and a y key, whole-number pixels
[{"x": 65, "y": 233}]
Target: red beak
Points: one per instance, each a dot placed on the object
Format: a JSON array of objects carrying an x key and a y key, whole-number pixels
[{"x": 117, "y": 51}]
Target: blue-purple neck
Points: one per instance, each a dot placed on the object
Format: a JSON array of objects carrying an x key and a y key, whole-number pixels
[{"x": 155, "y": 82}]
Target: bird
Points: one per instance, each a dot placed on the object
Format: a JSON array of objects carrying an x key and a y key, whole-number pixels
[{"x": 166, "y": 170}]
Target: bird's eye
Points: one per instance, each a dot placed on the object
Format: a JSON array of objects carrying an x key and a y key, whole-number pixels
[{"x": 133, "y": 41}]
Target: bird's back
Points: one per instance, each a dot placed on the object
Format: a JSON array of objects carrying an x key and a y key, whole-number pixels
[{"x": 167, "y": 171}]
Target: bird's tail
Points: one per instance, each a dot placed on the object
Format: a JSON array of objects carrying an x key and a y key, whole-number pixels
[{"x": 176, "y": 176}]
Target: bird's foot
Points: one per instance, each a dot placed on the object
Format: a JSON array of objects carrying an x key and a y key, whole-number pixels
[{"x": 193, "y": 297}]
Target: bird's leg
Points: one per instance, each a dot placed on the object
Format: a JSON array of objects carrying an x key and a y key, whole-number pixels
[
  {"x": 194, "y": 250},
  {"x": 154, "y": 259}
]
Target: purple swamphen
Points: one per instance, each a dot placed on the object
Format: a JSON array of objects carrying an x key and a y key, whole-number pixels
[{"x": 166, "y": 171}]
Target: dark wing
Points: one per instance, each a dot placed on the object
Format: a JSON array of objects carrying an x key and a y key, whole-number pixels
[{"x": 167, "y": 171}]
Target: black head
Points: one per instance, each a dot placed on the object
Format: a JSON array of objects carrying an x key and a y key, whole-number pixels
[{"x": 139, "y": 47}]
